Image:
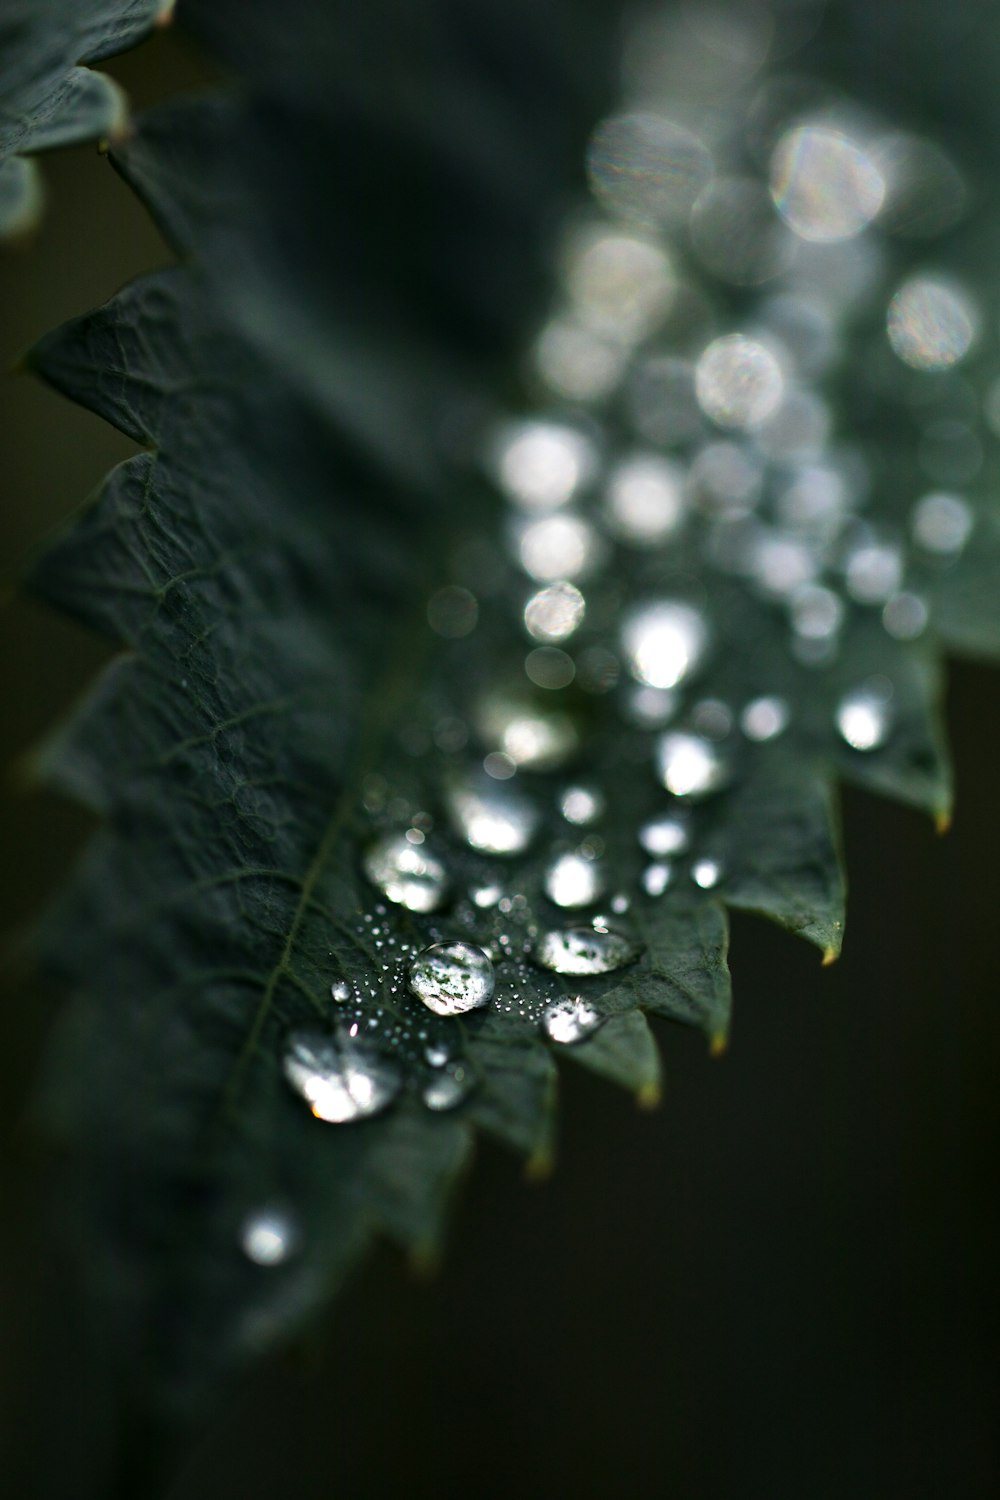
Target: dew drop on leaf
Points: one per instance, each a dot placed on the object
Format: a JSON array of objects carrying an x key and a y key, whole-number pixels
[
  {"x": 448, "y": 1089},
  {"x": 451, "y": 978},
  {"x": 942, "y": 523},
  {"x": 706, "y": 873},
  {"x": 492, "y": 816},
  {"x": 738, "y": 382},
  {"x": 765, "y": 718},
  {"x": 340, "y": 1078},
  {"x": 664, "y": 643},
  {"x": 931, "y": 323},
  {"x": 269, "y": 1236},
  {"x": 571, "y": 1020},
  {"x": 585, "y": 950},
  {"x": 667, "y": 835},
  {"x": 824, "y": 185},
  {"x": 406, "y": 874},
  {"x": 864, "y": 719},
  {"x": 690, "y": 766},
  {"x": 656, "y": 878},
  {"x": 572, "y": 880}
]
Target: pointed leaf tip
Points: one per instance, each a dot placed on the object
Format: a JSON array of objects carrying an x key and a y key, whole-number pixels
[
  {"x": 942, "y": 821},
  {"x": 830, "y": 956},
  {"x": 649, "y": 1097},
  {"x": 718, "y": 1044},
  {"x": 540, "y": 1166}
]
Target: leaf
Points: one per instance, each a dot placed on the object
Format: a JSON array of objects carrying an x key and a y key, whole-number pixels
[
  {"x": 320, "y": 387},
  {"x": 48, "y": 98}
]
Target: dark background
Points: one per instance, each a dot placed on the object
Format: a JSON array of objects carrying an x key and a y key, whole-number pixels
[{"x": 782, "y": 1283}]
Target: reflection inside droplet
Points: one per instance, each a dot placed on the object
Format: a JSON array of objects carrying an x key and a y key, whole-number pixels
[
  {"x": 451, "y": 978},
  {"x": 570, "y": 1020},
  {"x": 406, "y": 874}
]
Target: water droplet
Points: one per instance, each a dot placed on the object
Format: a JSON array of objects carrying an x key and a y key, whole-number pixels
[
  {"x": 662, "y": 403},
  {"x": 864, "y": 719},
  {"x": 712, "y": 718},
  {"x": 550, "y": 668},
  {"x": 645, "y": 168},
  {"x": 706, "y": 873},
  {"x": 645, "y": 499},
  {"x": 451, "y": 978},
  {"x": 817, "y": 612},
  {"x": 578, "y": 362},
  {"x": 942, "y": 524},
  {"x": 486, "y": 896},
  {"x": 656, "y": 878},
  {"x": 738, "y": 382},
  {"x": 824, "y": 185},
  {"x": 931, "y": 323},
  {"x": 573, "y": 880},
  {"x": 436, "y": 1054},
  {"x": 905, "y": 617},
  {"x": 452, "y": 612},
  {"x": 765, "y": 718},
  {"x": 558, "y": 547},
  {"x": 581, "y": 804},
  {"x": 650, "y": 707},
  {"x": 525, "y": 735},
  {"x": 405, "y": 874},
  {"x": 340, "y": 990},
  {"x": 926, "y": 194},
  {"x": 689, "y": 766},
  {"x": 668, "y": 835},
  {"x": 571, "y": 1020},
  {"x": 541, "y": 465},
  {"x": 448, "y": 1089},
  {"x": 491, "y": 815},
  {"x": 725, "y": 479},
  {"x": 269, "y": 1236},
  {"x": 664, "y": 643},
  {"x": 873, "y": 572},
  {"x": 620, "y": 283},
  {"x": 585, "y": 950},
  {"x": 553, "y": 613},
  {"x": 340, "y": 1079}
]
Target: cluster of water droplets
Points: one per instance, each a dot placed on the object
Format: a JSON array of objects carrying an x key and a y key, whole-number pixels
[{"x": 682, "y": 443}]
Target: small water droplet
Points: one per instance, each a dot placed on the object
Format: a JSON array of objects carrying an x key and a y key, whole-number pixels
[
  {"x": 645, "y": 499},
  {"x": 452, "y": 612},
  {"x": 765, "y": 718},
  {"x": 864, "y": 719},
  {"x": 485, "y": 896},
  {"x": 664, "y": 643},
  {"x": 905, "y": 616},
  {"x": 667, "y": 835},
  {"x": 553, "y": 613},
  {"x": 571, "y": 1020},
  {"x": 436, "y": 1054},
  {"x": 585, "y": 950},
  {"x": 541, "y": 464},
  {"x": 581, "y": 804},
  {"x": 824, "y": 185},
  {"x": 405, "y": 874},
  {"x": 706, "y": 873},
  {"x": 873, "y": 572},
  {"x": 690, "y": 766},
  {"x": 656, "y": 878},
  {"x": 269, "y": 1236},
  {"x": 942, "y": 524},
  {"x": 645, "y": 168},
  {"x": 340, "y": 990},
  {"x": 451, "y": 978},
  {"x": 448, "y": 1089},
  {"x": 573, "y": 880},
  {"x": 340, "y": 1079}
]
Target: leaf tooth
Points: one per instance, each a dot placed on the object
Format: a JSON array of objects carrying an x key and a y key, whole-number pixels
[
  {"x": 516, "y": 1098},
  {"x": 624, "y": 1051},
  {"x": 85, "y": 106},
  {"x": 785, "y": 861}
]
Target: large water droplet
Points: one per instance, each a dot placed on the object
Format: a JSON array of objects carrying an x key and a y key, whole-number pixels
[
  {"x": 690, "y": 766},
  {"x": 542, "y": 464},
  {"x": 824, "y": 185},
  {"x": 738, "y": 382},
  {"x": 451, "y": 978},
  {"x": 572, "y": 880},
  {"x": 553, "y": 613},
  {"x": 664, "y": 643},
  {"x": 492, "y": 816},
  {"x": 339, "y": 1078},
  {"x": 931, "y": 323},
  {"x": 269, "y": 1236},
  {"x": 585, "y": 950},
  {"x": 571, "y": 1020},
  {"x": 406, "y": 874}
]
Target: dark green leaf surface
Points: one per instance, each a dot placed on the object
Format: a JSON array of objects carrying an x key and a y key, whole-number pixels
[
  {"x": 47, "y": 97},
  {"x": 349, "y": 266}
]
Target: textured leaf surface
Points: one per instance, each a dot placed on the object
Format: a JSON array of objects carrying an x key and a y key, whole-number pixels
[
  {"x": 355, "y": 265},
  {"x": 48, "y": 97}
]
